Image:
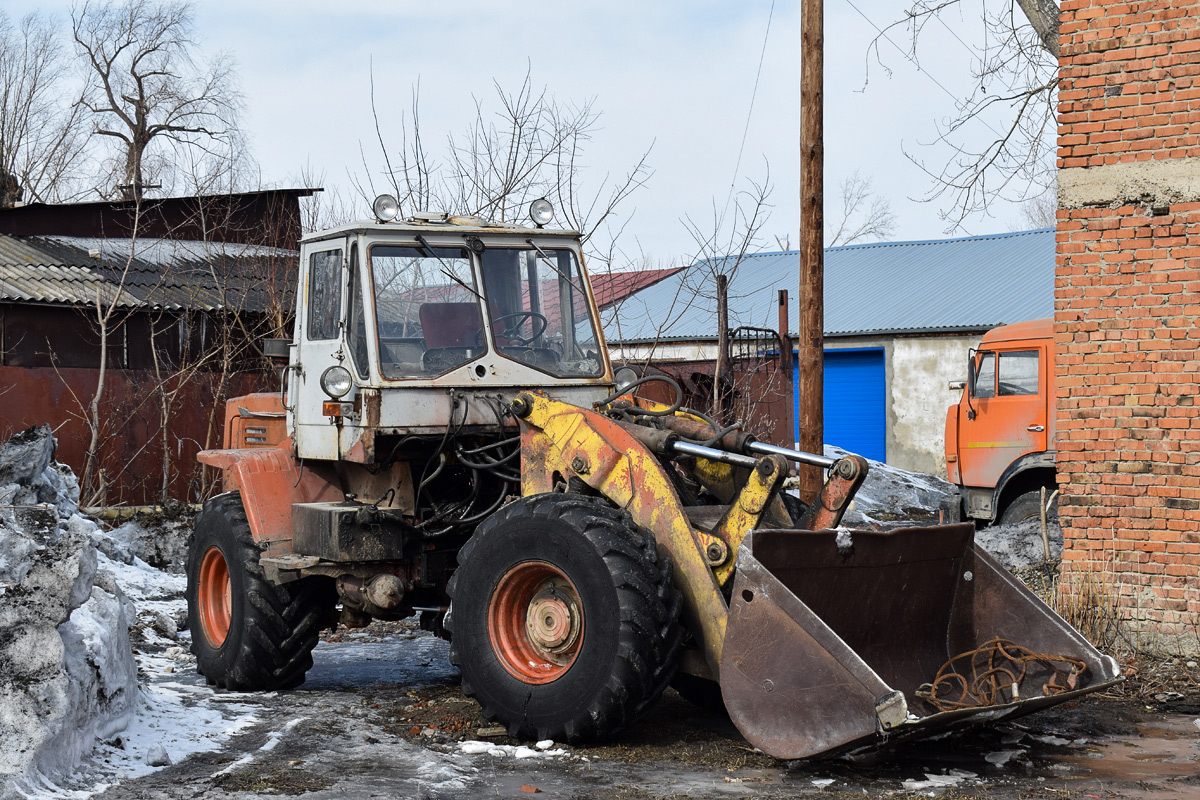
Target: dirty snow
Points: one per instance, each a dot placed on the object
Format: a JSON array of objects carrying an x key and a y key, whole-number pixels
[
  {"x": 1020, "y": 545},
  {"x": 67, "y": 676},
  {"x": 71, "y": 707},
  {"x": 950, "y": 778},
  {"x": 893, "y": 498}
]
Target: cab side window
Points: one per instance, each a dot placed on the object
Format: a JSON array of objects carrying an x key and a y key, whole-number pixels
[
  {"x": 985, "y": 376},
  {"x": 324, "y": 294},
  {"x": 1018, "y": 373}
]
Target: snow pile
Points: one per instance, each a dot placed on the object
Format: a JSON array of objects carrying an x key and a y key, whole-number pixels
[
  {"x": 160, "y": 540},
  {"x": 1020, "y": 544},
  {"x": 67, "y": 676},
  {"x": 893, "y": 498}
]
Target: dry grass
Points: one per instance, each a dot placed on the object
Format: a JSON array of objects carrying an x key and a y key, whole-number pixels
[{"x": 1088, "y": 599}]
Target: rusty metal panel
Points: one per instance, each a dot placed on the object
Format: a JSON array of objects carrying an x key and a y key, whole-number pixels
[
  {"x": 275, "y": 481},
  {"x": 131, "y": 443}
]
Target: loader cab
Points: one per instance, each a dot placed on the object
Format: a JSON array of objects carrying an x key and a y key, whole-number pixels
[{"x": 408, "y": 327}]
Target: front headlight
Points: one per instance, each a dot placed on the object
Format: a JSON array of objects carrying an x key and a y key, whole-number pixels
[
  {"x": 625, "y": 378},
  {"x": 336, "y": 381}
]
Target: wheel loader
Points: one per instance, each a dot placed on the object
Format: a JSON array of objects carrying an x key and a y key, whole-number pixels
[{"x": 450, "y": 440}]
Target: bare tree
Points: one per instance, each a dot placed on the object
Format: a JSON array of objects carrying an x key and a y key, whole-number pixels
[
  {"x": 721, "y": 246},
  {"x": 1015, "y": 94},
  {"x": 864, "y": 214},
  {"x": 1040, "y": 211},
  {"x": 111, "y": 309},
  {"x": 531, "y": 146},
  {"x": 145, "y": 87},
  {"x": 41, "y": 139}
]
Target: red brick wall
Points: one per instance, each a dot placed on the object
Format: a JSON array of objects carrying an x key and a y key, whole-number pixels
[{"x": 1127, "y": 308}]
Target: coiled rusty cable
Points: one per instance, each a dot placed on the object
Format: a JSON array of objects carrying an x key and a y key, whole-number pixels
[{"x": 992, "y": 674}]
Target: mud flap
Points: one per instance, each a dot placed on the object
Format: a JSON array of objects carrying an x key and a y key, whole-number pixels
[{"x": 831, "y": 634}]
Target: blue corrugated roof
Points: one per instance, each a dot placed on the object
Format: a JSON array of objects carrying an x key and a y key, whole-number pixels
[{"x": 967, "y": 284}]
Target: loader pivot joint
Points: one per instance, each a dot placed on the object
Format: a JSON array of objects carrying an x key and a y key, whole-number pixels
[
  {"x": 846, "y": 469},
  {"x": 521, "y": 406}
]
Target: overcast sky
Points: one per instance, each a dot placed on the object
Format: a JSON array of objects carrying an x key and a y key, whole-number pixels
[{"x": 671, "y": 76}]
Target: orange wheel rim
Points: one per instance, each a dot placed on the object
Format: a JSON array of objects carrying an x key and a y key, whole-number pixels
[
  {"x": 214, "y": 597},
  {"x": 535, "y": 622}
]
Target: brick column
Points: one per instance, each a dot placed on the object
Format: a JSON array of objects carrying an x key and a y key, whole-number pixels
[{"x": 1127, "y": 309}]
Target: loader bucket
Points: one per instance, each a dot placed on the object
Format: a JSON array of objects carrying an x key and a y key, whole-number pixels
[{"x": 827, "y": 648}]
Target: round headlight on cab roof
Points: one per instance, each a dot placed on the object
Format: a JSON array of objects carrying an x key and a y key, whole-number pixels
[
  {"x": 541, "y": 211},
  {"x": 336, "y": 381},
  {"x": 386, "y": 208}
]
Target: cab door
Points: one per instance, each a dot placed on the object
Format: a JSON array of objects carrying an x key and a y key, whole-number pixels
[
  {"x": 1009, "y": 401},
  {"x": 319, "y": 340}
]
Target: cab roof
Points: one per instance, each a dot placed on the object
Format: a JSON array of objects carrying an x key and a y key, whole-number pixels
[
  {"x": 426, "y": 223},
  {"x": 1033, "y": 329}
]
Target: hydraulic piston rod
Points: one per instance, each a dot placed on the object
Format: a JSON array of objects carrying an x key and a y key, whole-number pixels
[
  {"x": 793, "y": 455},
  {"x": 712, "y": 454}
]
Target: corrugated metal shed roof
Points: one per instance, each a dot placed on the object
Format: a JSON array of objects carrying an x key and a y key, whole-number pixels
[
  {"x": 159, "y": 273},
  {"x": 970, "y": 284}
]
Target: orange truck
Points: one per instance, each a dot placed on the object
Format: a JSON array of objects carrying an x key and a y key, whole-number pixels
[{"x": 1000, "y": 434}]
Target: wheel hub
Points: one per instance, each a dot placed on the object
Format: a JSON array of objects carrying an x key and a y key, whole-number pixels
[
  {"x": 535, "y": 622},
  {"x": 553, "y": 620}
]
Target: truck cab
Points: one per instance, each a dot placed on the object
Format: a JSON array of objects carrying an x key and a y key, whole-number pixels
[{"x": 1000, "y": 434}]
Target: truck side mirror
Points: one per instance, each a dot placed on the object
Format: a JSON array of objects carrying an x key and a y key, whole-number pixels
[{"x": 970, "y": 383}]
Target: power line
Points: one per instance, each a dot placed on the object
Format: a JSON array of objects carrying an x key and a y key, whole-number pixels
[
  {"x": 915, "y": 63},
  {"x": 754, "y": 93}
]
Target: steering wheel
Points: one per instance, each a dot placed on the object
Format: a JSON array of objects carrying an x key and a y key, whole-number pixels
[{"x": 537, "y": 326}]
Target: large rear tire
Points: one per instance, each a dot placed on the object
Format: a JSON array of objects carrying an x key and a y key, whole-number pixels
[
  {"x": 563, "y": 618},
  {"x": 247, "y": 634}
]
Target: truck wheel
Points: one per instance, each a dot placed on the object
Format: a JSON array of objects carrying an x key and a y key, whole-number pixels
[
  {"x": 563, "y": 618},
  {"x": 1027, "y": 506},
  {"x": 247, "y": 634}
]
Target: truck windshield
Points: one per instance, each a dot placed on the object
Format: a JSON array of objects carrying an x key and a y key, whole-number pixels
[
  {"x": 539, "y": 310},
  {"x": 427, "y": 309}
]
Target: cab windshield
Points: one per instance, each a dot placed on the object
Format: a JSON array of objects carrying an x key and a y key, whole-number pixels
[
  {"x": 427, "y": 304},
  {"x": 539, "y": 310},
  {"x": 427, "y": 310}
]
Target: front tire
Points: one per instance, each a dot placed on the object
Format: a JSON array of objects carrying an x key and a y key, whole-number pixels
[
  {"x": 247, "y": 634},
  {"x": 1027, "y": 506},
  {"x": 563, "y": 618}
]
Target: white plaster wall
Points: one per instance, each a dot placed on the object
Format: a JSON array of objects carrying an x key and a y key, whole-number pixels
[
  {"x": 920, "y": 370},
  {"x": 664, "y": 351}
]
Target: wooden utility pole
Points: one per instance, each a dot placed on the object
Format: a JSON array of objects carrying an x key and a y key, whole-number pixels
[
  {"x": 810, "y": 340},
  {"x": 787, "y": 436}
]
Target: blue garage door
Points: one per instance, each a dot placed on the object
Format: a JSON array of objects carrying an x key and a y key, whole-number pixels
[{"x": 855, "y": 412}]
